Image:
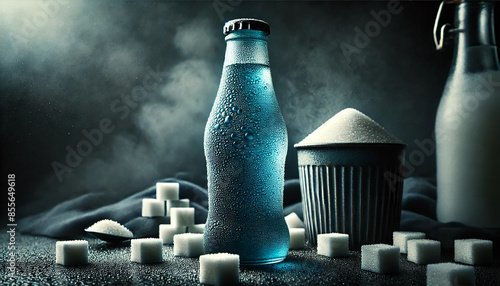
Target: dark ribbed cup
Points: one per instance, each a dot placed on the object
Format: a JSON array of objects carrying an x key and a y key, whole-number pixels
[{"x": 352, "y": 188}]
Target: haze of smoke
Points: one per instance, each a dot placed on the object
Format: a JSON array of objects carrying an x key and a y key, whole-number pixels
[{"x": 151, "y": 142}]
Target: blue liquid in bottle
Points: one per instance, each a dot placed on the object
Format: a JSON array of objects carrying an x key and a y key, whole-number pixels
[{"x": 245, "y": 147}]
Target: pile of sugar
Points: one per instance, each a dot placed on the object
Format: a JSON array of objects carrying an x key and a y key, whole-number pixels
[
  {"x": 110, "y": 227},
  {"x": 348, "y": 126}
]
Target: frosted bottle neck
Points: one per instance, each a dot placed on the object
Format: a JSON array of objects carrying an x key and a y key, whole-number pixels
[
  {"x": 246, "y": 47},
  {"x": 475, "y": 46}
]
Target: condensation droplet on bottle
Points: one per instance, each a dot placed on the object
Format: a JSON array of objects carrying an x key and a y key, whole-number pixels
[
  {"x": 237, "y": 143},
  {"x": 228, "y": 119},
  {"x": 249, "y": 135}
]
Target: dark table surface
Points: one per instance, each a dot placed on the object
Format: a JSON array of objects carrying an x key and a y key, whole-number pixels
[{"x": 110, "y": 265}]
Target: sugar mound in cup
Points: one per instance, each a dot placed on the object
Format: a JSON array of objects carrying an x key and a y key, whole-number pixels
[
  {"x": 110, "y": 227},
  {"x": 349, "y": 126},
  {"x": 351, "y": 147}
]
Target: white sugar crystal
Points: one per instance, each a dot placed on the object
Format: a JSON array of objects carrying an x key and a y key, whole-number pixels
[
  {"x": 380, "y": 258},
  {"x": 167, "y": 191},
  {"x": 450, "y": 274},
  {"x": 153, "y": 207},
  {"x": 146, "y": 250},
  {"x": 184, "y": 203},
  {"x": 188, "y": 245},
  {"x": 110, "y": 227},
  {"x": 168, "y": 231},
  {"x": 297, "y": 238},
  {"x": 424, "y": 251},
  {"x": 474, "y": 251},
  {"x": 72, "y": 252},
  {"x": 400, "y": 238},
  {"x": 182, "y": 216},
  {"x": 333, "y": 244},
  {"x": 293, "y": 221},
  {"x": 220, "y": 269},
  {"x": 197, "y": 228},
  {"x": 349, "y": 126}
]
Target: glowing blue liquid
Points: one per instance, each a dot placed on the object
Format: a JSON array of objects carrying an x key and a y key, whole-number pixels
[{"x": 245, "y": 163}]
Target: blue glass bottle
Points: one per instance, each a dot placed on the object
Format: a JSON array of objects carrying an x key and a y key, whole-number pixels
[{"x": 245, "y": 148}]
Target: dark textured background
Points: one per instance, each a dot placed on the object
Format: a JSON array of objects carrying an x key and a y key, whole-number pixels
[{"x": 65, "y": 66}]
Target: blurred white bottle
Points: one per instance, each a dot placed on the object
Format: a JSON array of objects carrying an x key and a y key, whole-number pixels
[{"x": 468, "y": 123}]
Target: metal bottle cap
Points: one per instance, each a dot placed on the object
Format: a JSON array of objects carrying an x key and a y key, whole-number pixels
[{"x": 246, "y": 24}]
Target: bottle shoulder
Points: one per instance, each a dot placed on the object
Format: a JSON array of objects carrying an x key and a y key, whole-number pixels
[{"x": 469, "y": 99}]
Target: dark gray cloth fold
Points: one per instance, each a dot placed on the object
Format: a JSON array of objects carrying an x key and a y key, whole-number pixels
[
  {"x": 70, "y": 218},
  {"x": 419, "y": 214}
]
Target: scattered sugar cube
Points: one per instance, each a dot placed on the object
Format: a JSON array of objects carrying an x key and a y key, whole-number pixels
[
  {"x": 474, "y": 251},
  {"x": 167, "y": 191},
  {"x": 450, "y": 274},
  {"x": 380, "y": 258},
  {"x": 72, "y": 252},
  {"x": 153, "y": 207},
  {"x": 146, "y": 250},
  {"x": 297, "y": 238},
  {"x": 424, "y": 251},
  {"x": 184, "y": 203},
  {"x": 333, "y": 244},
  {"x": 293, "y": 221},
  {"x": 400, "y": 238},
  {"x": 220, "y": 269},
  {"x": 197, "y": 228},
  {"x": 188, "y": 244},
  {"x": 182, "y": 216},
  {"x": 168, "y": 231}
]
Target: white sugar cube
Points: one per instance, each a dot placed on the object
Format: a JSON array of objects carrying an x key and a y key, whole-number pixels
[
  {"x": 380, "y": 258},
  {"x": 188, "y": 244},
  {"x": 220, "y": 269},
  {"x": 72, "y": 252},
  {"x": 182, "y": 216},
  {"x": 184, "y": 203},
  {"x": 146, "y": 250},
  {"x": 297, "y": 238},
  {"x": 167, "y": 191},
  {"x": 400, "y": 238},
  {"x": 333, "y": 244},
  {"x": 153, "y": 207},
  {"x": 450, "y": 274},
  {"x": 293, "y": 221},
  {"x": 168, "y": 231},
  {"x": 424, "y": 251},
  {"x": 474, "y": 251},
  {"x": 197, "y": 228}
]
